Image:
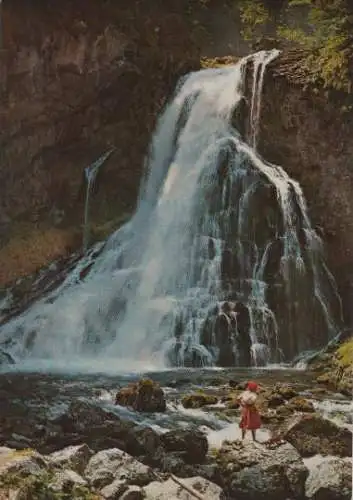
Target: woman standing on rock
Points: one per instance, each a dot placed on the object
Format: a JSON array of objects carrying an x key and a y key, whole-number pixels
[{"x": 250, "y": 417}]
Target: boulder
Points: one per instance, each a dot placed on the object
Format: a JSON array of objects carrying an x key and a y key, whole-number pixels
[
  {"x": 114, "y": 490},
  {"x": 312, "y": 435},
  {"x": 176, "y": 463},
  {"x": 192, "y": 443},
  {"x": 232, "y": 402},
  {"x": 167, "y": 490},
  {"x": 82, "y": 416},
  {"x": 325, "y": 378},
  {"x": 301, "y": 405},
  {"x": 250, "y": 471},
  {"x": 88, "y": 423},
  {"x": 133, "y": 493},
  {"x": 21, "y": 464},
  {"x": 345, "y": 386},
  {"x": 111, "y": 465},
  {"x": 198, "y": 400},
  {"x": 286, "y": 391},
  {"x": 67, "y": 481},
  {"x": 283, "y": 412},
  {"x": 101, "y": 430},
  {"x": 75, "y": 458},
  {"x": 331, "y": 479},
  {"x": 143, "y": 396},
  {"x": 274, "y": 400},
  {"x": 144, "y": 441}
]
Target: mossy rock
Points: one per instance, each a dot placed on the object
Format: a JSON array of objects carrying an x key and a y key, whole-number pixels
[
  {"x": 143, "y": 396},
  {"x": 268, "y": 417},
  {"x": 345, "y": 386},
  {"x": 318, "y": 391},
  {"x": 286, "y": 391},
  {"x": 217, "y": 62},
  {"x": 39, "y": 487},
  {"x": 338, "y": 369},
  {"x": 233, "y": 404},
  {"x": 274, "y": 400},
  {"x": 325, "y": 378},
  {"x": 301, "y": 404},
  {"x": 284, "y": 411},
  {"x": 198, "y": 400}
]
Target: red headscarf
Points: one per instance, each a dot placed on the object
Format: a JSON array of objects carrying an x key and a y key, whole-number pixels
[{"x": 252, "y": 386}]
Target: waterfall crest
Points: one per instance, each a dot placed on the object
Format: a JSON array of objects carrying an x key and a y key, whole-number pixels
[{"x": 219, "y": 264}]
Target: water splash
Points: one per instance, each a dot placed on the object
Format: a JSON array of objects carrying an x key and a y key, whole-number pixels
[{"x": 214, "y": 223}]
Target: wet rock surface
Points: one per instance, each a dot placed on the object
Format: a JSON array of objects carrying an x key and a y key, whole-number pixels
[
  {"x": 193, "y": 444},
  {"x": 198, "y": 400},
  {"x": 313, "y": 435}
]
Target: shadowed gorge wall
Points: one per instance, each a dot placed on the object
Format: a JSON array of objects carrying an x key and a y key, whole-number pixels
[{"x": 76, "y": 79}]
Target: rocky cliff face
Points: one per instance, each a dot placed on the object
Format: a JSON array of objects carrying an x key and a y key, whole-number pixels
[
  {"x": 310, "y": 135},
  {"x": 84, "y": 76},
  {"x": 74, "y": 80}
]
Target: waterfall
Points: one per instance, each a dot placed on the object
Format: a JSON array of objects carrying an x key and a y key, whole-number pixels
[
  {"x": 219, "y": 264},
  {"x": 260, "y": 63},
  {"x": 91, "y": 173}
]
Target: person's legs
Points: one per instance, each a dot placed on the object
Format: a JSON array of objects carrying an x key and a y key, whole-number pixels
[
  {"x": 253, "y": 433},
  {"x": 243, "y": 432}
]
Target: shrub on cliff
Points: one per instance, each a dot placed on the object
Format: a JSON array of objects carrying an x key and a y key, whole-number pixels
[{"x": 325, "y": 37}]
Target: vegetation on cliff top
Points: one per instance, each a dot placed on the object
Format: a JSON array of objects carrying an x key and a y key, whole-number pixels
[{"x": 324, "y": 33}]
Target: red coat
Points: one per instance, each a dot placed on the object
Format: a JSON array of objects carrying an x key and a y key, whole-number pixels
[{"x": 250, "y": 418}]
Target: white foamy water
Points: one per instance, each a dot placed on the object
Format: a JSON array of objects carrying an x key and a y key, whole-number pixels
[
  {"x": 339, "y": 412},
  {"x": 232, "y": 432},
  {"x": 212, "y": 220}
]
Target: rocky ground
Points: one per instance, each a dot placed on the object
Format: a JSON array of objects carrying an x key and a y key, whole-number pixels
[{"x": 172, "y": 435}]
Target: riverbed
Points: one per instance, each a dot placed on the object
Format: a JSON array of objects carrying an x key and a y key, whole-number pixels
[{"x": 43, "y": 396}]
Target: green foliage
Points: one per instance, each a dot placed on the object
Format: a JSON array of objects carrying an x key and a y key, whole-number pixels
[
  {"x": 345, "y": 355},
  {"x": 326, "y": 38},
  {"x": 253, "y": 14}
]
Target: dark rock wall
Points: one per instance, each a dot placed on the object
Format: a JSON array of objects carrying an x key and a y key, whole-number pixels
[
  {"x": 311, "y": 137},
  {"x": 75, "y": 79}
]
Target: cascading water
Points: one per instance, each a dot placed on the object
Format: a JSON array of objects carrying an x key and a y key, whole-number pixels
[
  {"x": 214, "y": 223},
  {"x": 91, "y": 173}
]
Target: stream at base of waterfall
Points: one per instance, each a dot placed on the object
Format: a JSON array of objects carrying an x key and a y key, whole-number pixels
[{"x": 219, "y": 265}]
